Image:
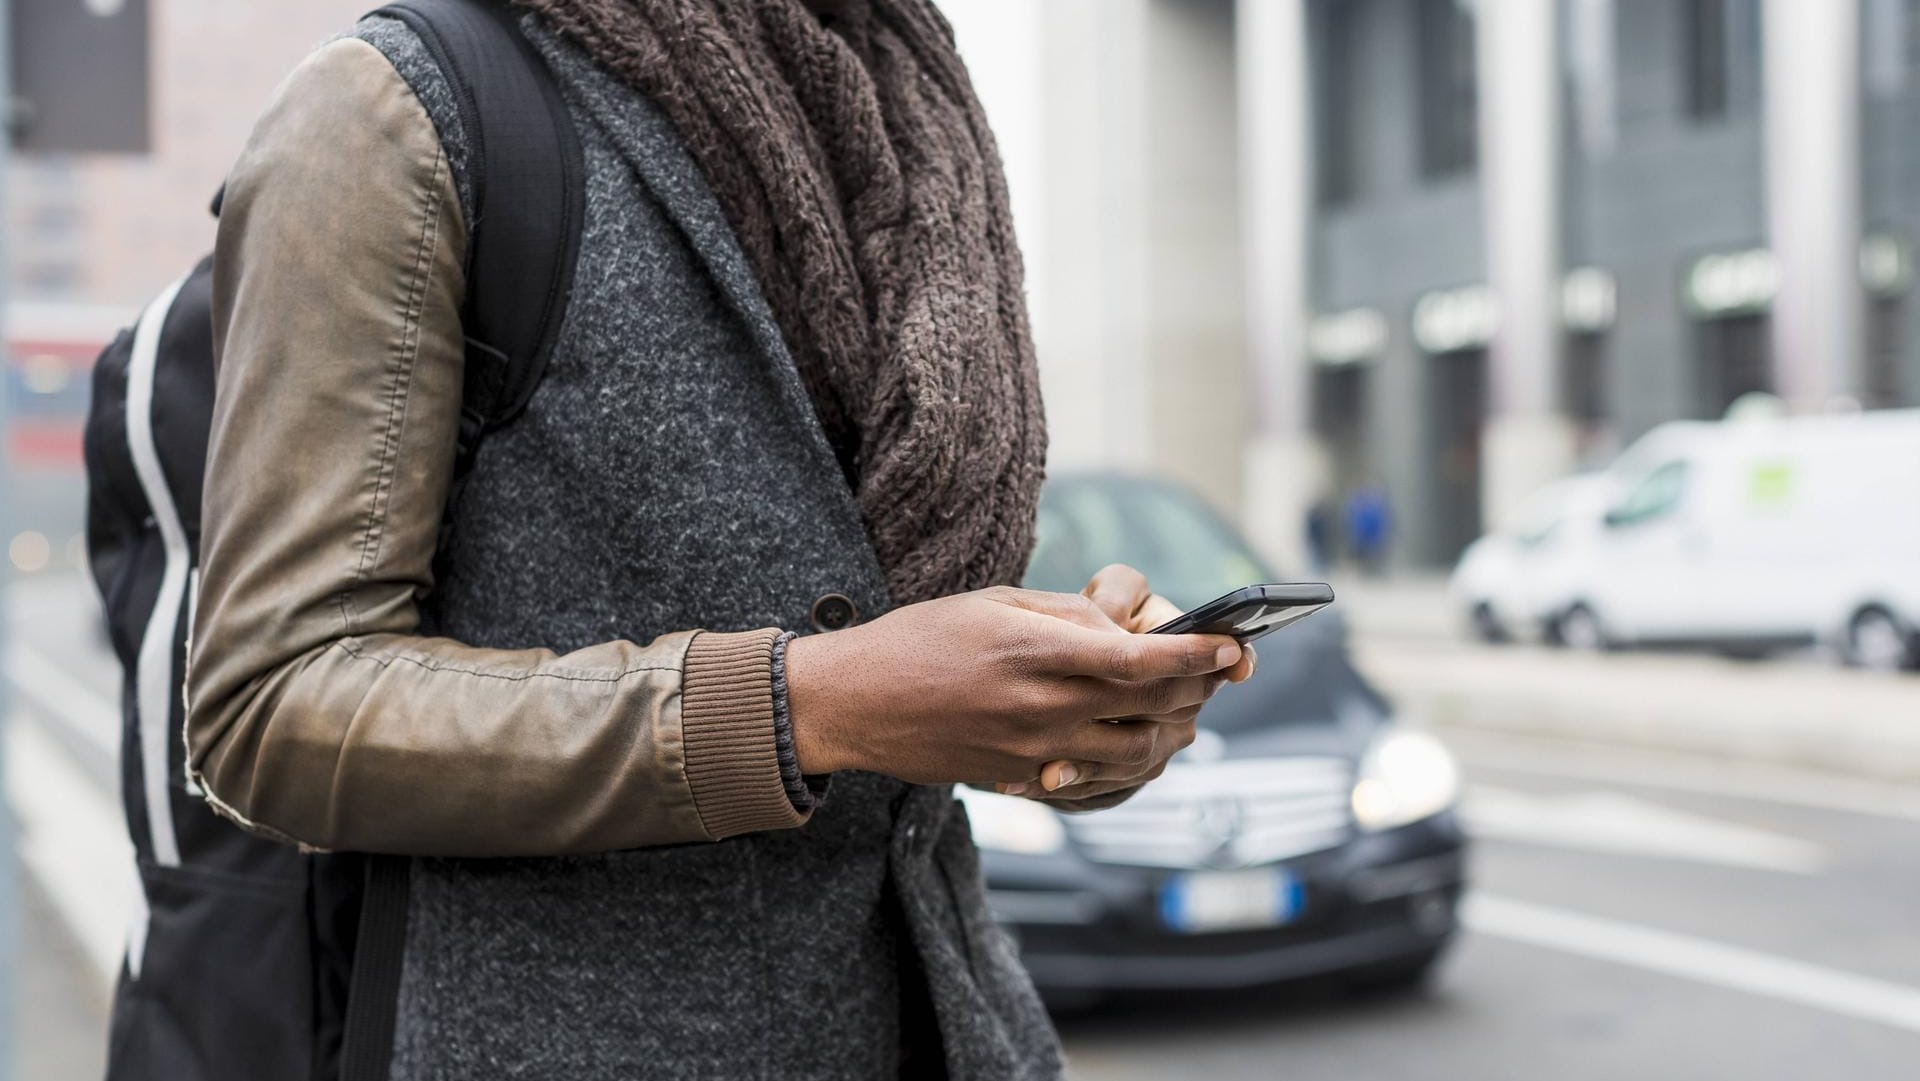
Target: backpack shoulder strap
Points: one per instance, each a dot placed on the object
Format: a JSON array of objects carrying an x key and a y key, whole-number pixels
[{"x": 528, "y": 189}]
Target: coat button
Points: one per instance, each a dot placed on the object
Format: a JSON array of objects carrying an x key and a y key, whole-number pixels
[{"x": 834, "y": 612}]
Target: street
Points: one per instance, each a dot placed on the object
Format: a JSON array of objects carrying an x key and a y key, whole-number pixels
[
  {"x": 1635, "y": 913},
  {"x": 1618, "y": 929}
]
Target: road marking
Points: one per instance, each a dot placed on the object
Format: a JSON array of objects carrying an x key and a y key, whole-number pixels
[
  {"x": 1623, "y": 825},
  {"x": 73, "y": 844},
  {"x": 1752, "y": 782},
  {"x": 1701, "y": 960},
  {"x": 84, "y": 710}
]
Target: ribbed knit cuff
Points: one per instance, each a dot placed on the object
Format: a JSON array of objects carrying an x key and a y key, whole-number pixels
[{"x": 727, "y": 725}]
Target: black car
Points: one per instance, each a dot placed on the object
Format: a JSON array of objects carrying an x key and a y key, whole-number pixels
[{"x": 1305, "y": 833}]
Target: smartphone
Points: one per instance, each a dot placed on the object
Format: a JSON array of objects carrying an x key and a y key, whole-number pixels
[{"x": 1249, "y": 613}]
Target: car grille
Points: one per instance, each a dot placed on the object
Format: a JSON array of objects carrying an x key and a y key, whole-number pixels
[{"x": 1224, "y": 814}]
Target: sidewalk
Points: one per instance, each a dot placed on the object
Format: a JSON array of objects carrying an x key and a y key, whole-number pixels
[
  {"x": 1404, "y": 606},
  {"x": 1795, "y": 710},
  {"x": 59, "y": 1022}
]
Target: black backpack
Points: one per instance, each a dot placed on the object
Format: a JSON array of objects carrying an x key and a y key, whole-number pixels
[{"x": 257, "y": 960}]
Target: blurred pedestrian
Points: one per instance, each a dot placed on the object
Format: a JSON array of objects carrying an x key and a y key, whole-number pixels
[
  {"x": 1369, "y": 527},
  {"x": 736, "y": 853},
  {"x": 1320, "y": 539}
]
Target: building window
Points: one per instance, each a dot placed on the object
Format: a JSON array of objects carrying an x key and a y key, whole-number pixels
[
  {"x": 1584, "y": 386},
  {"x": 1449, "y": 124},
  {"x": 1340, "y": 394},
  {"x": 1722, "y": 60},
  {"x": 1705, "y": 34},
  {"x": 1910, "y": 36},
  {"x": 1886, "y": 341},
  {"x": 1339, "y": 70},
  {"x": 1884, "y": 46},
  {"x": 1735, "y": 360},
  {"x": 1593, "y": 66}
]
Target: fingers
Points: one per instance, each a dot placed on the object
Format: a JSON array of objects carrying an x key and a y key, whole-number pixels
[
  {"x": 1073, "y": 608},
  {"x": 1108, "y": 652},
  {"x": 1078, "y": 781},
  {"x": 1176, "y": 699},
  {"x": 1243, "y": 669},
  {"x": 1156, "y": 611},
  {"x": 1137, "y": 658},
  {"x": 1057, "y": 775},
  {"x": 1118, "y": 750},
  {"x": 1092, "y": 801},
  {"x": 1120, "y": 592}
]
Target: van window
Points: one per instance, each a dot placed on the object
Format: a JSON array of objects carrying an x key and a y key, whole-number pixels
[{"x": 1657, "y": 494}]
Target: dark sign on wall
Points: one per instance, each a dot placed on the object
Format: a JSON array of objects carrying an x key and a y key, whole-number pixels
[{"x": 80, "y": 75}]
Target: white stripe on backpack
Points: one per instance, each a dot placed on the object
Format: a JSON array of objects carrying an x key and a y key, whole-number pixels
[{"x": 153, "y": 672}]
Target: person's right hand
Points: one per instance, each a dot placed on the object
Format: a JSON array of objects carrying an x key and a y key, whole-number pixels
[{"x": 988, "y": 686}]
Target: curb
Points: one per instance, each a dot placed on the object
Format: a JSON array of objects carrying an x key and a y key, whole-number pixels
[{"x": 1856, "y": 723}]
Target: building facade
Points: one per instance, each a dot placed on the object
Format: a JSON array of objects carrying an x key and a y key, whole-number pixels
[
  {"x": 1451, "y": 249},
  {"x": 93, "y": 236},
  {"x": 1696, "y": 200},
  {"x": 1285, "y": 250}
]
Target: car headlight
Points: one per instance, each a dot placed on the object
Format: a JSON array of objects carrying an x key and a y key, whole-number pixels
[
  {"x": 1406, "y": 776},
  {"x": 1011, "y": 823}
]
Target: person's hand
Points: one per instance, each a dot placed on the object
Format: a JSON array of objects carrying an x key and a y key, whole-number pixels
[
  {"x": 988, "y": 687},
  {"x": 1122, "y": 594}
]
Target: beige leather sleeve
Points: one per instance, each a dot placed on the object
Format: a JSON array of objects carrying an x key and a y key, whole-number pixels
[{"x": 315, "y": 712}]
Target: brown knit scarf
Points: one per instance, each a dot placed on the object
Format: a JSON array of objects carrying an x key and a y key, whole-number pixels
[{"x": 848, "y": 150}]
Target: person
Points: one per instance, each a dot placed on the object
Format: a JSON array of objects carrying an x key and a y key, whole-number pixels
[
  {"x": 1319, "y": 532},
  {"x": 1369, "y": 527},
  {"x": 653, "y": 831}
]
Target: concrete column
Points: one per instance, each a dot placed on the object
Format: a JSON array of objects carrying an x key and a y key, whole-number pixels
[
  {"x": 1529, "y": 440},
  {"x": 1092, "y": 295},
  {"x": 1285, "y": 469},
  {"x": 1812, "y": 58}
]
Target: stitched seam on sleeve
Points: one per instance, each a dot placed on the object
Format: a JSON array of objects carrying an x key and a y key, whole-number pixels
[
  {"x": 567, "y": 675},
  {"x": 406, "y": 353}
]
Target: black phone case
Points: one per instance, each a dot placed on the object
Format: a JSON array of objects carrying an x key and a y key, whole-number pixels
[{"x": 1252, "y": 612}]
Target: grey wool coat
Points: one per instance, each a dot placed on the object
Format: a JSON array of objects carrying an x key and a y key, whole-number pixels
[
  {"x": 767, "y": 955},
  {"x": 669, "y": 473}
]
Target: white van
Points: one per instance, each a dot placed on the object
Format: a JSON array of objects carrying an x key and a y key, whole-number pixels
[
  {"x": 1755, "y": 534},
  {"x": 1515, "y": 582}
]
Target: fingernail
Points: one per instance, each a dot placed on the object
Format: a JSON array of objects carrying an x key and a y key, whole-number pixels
[
  {"x": 1068, "y": 775},
  {"x": 1017, "y": 788},
  {"x": 1253, "y": 661},
  {"x": 1225, "y": 656}
]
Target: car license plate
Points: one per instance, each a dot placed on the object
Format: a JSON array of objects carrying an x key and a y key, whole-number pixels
[{"x": 1204, "y": 901}]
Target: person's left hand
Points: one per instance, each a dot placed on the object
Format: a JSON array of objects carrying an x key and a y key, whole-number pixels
[{"x": 1123, "y": 594}]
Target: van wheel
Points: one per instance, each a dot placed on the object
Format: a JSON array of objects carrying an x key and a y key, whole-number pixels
[
  {"x": 1486, "y": 625},
  {"x": 1578, "y": 628},
  {"x": 1879, "y": 642}
]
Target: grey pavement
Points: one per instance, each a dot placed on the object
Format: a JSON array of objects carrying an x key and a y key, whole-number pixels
[
  {"x": 1798, "y": 710},
  {"x": 1513, "y": 1003},
  {"x": 59, "y": 1027}
]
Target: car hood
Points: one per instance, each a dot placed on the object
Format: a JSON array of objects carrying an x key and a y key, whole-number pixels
[{"x": 1305, "y": 698}]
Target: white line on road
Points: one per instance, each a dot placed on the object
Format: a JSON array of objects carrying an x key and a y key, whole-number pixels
[
  {"x": 1626, "y": 825},
  {"x": 1732, "y": 967},
  {"x": 79, "y": 706}
]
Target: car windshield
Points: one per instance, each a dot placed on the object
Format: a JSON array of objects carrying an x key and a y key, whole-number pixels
[{"x": 1186, "y": 552}]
